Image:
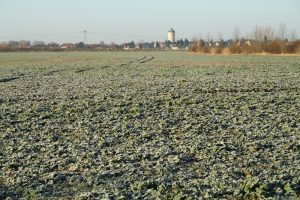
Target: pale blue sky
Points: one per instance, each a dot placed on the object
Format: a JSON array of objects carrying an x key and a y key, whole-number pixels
[{"x": 124, "y": 20}]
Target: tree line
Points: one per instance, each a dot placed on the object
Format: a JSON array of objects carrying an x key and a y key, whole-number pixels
[
  {"x": 263, "y": 39},
  {"x": 26, "y": 45}
]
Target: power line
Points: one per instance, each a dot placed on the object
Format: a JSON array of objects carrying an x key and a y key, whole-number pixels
[
  {"x": 84, "y": 35},
  {"x": 39, "y": 35},
  {"x": 124, "y": 35}
]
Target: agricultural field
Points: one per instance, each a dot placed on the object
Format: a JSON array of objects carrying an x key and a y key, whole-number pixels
[{"x": 149, "y": 125}]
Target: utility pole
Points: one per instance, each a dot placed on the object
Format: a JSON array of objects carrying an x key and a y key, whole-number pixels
[{"x": 84, "y": 36}]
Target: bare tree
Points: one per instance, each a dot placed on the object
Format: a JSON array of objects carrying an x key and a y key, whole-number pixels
[
  {"x": 195, "y": 44},
  {"x": 24, "y": 43},
  {"x": 208, "y": 37},
  {"x": 220, "y": 36},
  {"x": 53, "y": 45},
  {"x": 269, "y": 32},
  {"x": 282, "y": 31},
  {"x": 236, "y": 34},
  {"x": 262, "y": 33},
  {"x": 257, "y": 33},
  {"x": 101, "y": 44},
  {"x": 293, "y": 35},
  {"x": 38, "y": 43},
  {"x": 13, "y": 44},
  {"x": 220, "y": 40}
]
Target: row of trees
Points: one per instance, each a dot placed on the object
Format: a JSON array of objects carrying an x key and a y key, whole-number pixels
[
  {"x": 262, "y": 39},
  {"x": 25, "y": 45}
]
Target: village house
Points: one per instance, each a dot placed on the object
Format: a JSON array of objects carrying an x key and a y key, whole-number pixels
[
  {"x": 93, "y": 46},
  {"x": 24, "y": 44},
  {"x": 67, "y": 46},
  {"x": 3, "y": 45}
]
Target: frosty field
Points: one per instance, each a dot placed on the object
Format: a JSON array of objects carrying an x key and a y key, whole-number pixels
[{"x": 146, "y": 125}]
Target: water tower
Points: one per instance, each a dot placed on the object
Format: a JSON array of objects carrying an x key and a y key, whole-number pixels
[{"x": 171, "y": 35}]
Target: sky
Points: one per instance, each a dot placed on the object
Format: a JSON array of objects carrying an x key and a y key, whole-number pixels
[{"x": 140, "y": 20}]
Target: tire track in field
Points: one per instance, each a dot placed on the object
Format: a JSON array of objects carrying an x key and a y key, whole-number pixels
[
  {"x": 147, "y": 59},
  {"x": 142, "y": 60},
  {"x": 230, "y": 90},
  {"x": 8, "y": 79}
]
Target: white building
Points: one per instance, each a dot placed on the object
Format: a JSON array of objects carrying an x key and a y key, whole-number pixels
[{"x": 171, "y": 35}]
